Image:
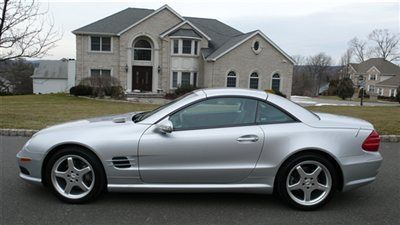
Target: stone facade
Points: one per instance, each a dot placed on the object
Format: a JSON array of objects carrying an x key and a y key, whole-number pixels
[{"x": 210, "y": 73}]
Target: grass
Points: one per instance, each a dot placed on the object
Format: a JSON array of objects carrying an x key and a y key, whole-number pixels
[
  {"x": 386, "y": 119},
  {"x": 39, "y": 111}
]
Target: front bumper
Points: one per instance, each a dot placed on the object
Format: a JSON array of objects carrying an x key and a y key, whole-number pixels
[
  {"x": 30, "y": 170},
  {"x": 360, "y": 170}
]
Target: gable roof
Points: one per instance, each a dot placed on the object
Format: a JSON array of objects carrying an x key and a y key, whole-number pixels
[
  {"x": 51, "y": 69},
  {"x": 222, "y": 37},
  {"x": 176, "y": 28},
  {"x": 393, "y": 81},
  {"x": 384, "y": 66},
  {"x": 115, "y": 23}
]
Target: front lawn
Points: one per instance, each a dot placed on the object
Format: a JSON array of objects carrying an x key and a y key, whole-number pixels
[
  {"x": 39, "y": 111},
  {"x": 386, "y": 119}
]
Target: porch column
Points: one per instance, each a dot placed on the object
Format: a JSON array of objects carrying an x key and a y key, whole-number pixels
[
  {"x": 156, "y": 63},
  {"x": 129, "y": 73}
]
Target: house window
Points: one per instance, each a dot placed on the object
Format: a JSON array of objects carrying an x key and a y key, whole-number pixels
[
  {"x": 372, "y": 77},
  {"x": 195, "y": 79},
  {"x": 184, "y": 78},
  {"x": 371, "y": 88},
  {"x": 174, "y": 79},
  {"x": 256, "y": 45},
  {"x": 185, "y": 81},
  {"x": 380, "y": 91},
  {"x": 142, "y": 50},
  {"x": 186, "y": 46},
  {"x": 276, "y": 82},
  {"x": 100, "y": 44},
  {"x": 176, "y": 46},
  {"x": 253, "y": 81},
  {"x": 231, "y": 79},
  {"x": 392, "y": 92},
  {"x": 100, "y": 73},
  {"x": 195, "y": 47}
]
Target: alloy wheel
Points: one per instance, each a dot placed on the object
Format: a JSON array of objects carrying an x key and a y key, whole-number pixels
[
  {"x": 72, "y": 176},
  {"x": 309, "y": 183}
]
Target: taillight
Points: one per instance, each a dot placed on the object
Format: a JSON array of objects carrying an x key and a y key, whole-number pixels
[{"x": 371, "y": 144}]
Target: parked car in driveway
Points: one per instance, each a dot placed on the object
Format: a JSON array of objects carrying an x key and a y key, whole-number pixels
[{"x": 216, "y": 140}]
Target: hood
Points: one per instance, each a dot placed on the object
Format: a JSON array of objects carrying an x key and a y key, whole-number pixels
[
  {"x": 337, "y": 121},
  {"x": 91, "y": 122}
]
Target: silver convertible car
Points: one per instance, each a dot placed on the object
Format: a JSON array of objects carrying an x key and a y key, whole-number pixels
[{"x": 210, "y": 140}]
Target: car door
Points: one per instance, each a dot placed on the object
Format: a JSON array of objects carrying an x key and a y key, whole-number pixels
[{"x": 213, "y": 141}]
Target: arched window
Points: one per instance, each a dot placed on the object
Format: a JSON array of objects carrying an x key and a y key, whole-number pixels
[
  {"x": 142, "y": 50},
  {"x": 276, "y": 82},
  {"x": 231, "y": 79},
  {"x": 253, "y": 80}
]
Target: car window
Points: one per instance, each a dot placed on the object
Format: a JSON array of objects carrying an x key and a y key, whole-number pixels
[
  {"x": 268, "y": 114},
  {"x": 216, "y": 112}
]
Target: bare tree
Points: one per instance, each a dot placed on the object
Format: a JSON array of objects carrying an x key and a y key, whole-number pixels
[
  {"x": 386, "y": 44},
  {"x": 317, "y": 65},
  {"x": 25, "y": 30},
  {"x": 345, "y": 60},
  {"x": 299, "y": 59},
  {"x": 359, "y": 49}
]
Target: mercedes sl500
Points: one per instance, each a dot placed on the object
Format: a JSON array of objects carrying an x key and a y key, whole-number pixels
[{"x": 214, "y": 140}]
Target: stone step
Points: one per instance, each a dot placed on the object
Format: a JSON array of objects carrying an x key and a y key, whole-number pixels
[{"x": 144, "y": 95}]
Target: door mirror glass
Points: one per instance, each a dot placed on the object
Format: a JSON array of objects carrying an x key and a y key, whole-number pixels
[{"x": 165, "y": 127}]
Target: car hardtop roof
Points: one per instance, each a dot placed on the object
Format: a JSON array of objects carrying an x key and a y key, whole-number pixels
[{"x": 214, "y": 92}]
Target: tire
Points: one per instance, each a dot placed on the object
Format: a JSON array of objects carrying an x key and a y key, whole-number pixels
[
  {"x": 83, "y": 183},
  {"x": 307, "y": 188}
]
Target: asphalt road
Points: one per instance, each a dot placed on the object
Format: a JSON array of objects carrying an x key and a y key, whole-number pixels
[{"x": 21, "y": 203}]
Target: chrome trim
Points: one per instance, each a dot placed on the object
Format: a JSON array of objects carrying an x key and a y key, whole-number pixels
[{"x": 30, "y": 179}]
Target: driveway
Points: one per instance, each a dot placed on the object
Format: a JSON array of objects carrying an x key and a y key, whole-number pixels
[
  {"x": 310, "y": 101},
  {"x": 21, "y": 203}
]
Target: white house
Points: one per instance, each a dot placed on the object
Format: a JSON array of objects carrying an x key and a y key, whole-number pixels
[{"x": 54, "y": 76}]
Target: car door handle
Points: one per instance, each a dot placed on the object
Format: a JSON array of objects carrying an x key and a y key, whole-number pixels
[{"x": 248, "y": 138}]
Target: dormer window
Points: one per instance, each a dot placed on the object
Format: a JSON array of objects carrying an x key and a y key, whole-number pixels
[
  {"x": 100, "y": 44},
  {"x": 184, "y": 47}
]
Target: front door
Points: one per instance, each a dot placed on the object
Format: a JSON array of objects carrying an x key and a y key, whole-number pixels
[
  {"x": 142, "y": 78},
  {"x": 213, "y": 141}
]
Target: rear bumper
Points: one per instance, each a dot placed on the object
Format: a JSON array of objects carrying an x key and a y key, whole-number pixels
[{"x": 360, "y": 170}]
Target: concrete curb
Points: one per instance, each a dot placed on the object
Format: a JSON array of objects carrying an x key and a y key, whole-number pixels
[{"x": 29, "y": 133}]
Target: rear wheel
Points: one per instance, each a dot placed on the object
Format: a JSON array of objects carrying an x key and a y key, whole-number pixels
[
  {"x": 307, "y": 181},
  {"x": 74, "y": 175}
]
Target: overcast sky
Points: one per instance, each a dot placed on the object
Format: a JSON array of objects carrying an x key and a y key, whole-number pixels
[{"x": 298, "y": 27}]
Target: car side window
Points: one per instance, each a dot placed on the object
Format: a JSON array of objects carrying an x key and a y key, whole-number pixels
[
  {"x": 268, "y": 114},
  {"x": 216, "y": 112}
]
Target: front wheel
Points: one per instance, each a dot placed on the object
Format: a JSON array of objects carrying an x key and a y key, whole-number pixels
[
  {"x": 74, "y": 175},
  {"x": 307, "y": 182}
]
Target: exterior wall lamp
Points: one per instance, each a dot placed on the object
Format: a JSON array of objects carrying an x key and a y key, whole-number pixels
[
  {"x": 126, "y": 68},
  {"x": 159, "y": 69}
]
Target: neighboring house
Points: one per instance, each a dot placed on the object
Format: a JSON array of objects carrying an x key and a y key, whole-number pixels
[
  {"x": 159, "y": 50},
  {"x": 381, "y": 76},
  {"x": 53, "y": 76}
]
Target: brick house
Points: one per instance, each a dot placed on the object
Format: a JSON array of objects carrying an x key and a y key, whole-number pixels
[{"x": 159, "y": 50}]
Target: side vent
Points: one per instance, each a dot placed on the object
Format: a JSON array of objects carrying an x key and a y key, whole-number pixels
[{"x": 121, "y": 162}]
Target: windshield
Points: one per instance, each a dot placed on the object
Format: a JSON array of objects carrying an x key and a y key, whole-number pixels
[{"x": 143, "y": 115}]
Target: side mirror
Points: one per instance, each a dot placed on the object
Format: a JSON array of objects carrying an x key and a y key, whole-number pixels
[{"x": 165, "y": 127}]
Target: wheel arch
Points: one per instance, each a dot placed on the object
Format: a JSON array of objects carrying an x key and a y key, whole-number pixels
[
  {"x": 56, "y": 148},
  {"x": 320, "y": 152}
]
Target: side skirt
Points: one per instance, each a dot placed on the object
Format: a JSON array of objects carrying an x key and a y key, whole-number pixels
[{"x": 245, "y": 188}]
